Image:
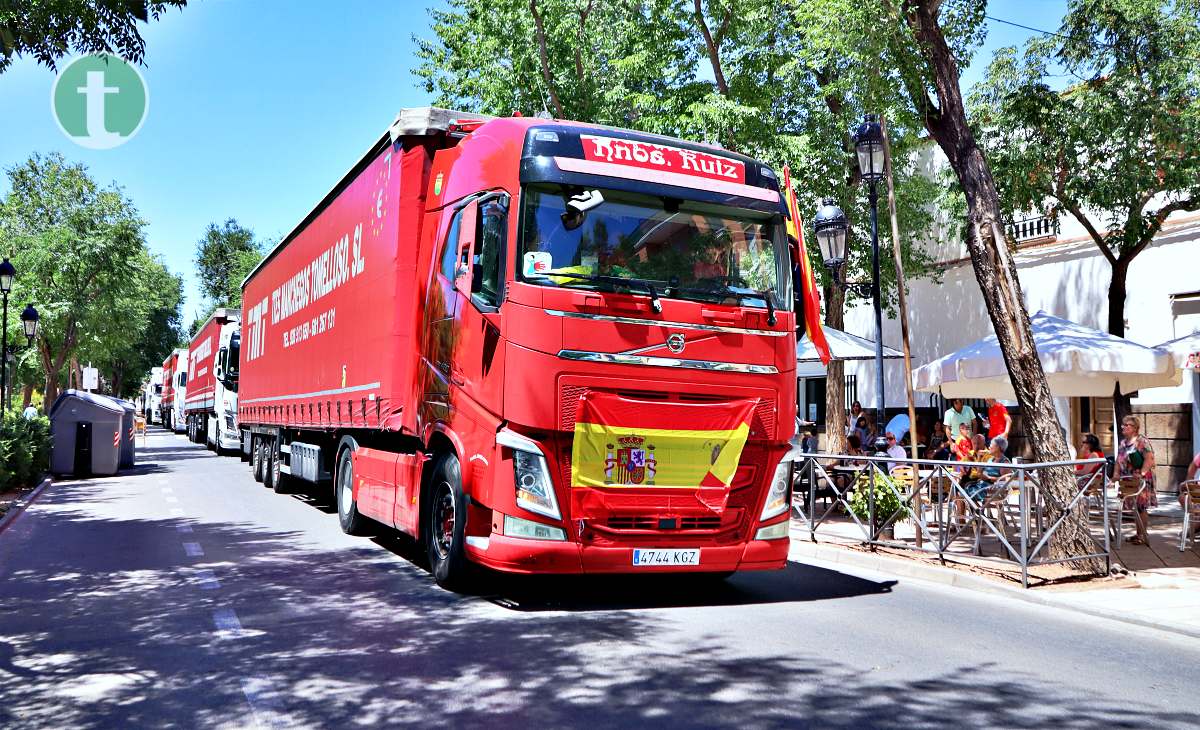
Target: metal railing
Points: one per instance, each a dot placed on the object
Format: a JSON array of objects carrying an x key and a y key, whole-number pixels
[
  {"x": 1031, "y": 229},
  {"x": 947, "y": 501}
]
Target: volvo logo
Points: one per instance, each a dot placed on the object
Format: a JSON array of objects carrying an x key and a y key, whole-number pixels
[{"x": 675, "y": 343}]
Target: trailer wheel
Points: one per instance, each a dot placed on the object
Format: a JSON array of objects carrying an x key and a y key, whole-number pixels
[
  {"x": 279, "y": 481},
  {"x": 351, "y": 521},
  {"x": 269, "y": 457},
  {"x": 256, "y": 458},
  {"x": 446, "y": 526}
]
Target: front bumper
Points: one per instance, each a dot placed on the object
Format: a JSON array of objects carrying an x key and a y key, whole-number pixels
[{"x": 520, "y": 555}]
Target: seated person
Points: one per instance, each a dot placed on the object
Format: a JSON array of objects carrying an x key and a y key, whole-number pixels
[
  {"x": 894, "y": 450},
  {"x": 939, "y": 441},
  {"x": 975, "y": 480},
  {"x": 809, "y": 443},
  {"x": 989, "y": 475},
  {"x": 1089, "y": 449},
  {"x": 1192, "y": 470}
]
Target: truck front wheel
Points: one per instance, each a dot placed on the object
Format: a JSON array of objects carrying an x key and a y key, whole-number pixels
[
  {"x": 446, "y": 526},
  {"x": 351, "y": 521}
]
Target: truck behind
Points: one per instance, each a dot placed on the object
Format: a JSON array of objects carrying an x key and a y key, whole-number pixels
[{"x": 210, "y": 408}]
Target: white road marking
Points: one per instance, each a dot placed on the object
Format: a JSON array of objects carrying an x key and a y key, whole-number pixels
[
  {"x": 193, "y": 549},
  {"x": 264, "y": 703},
  {"x": 226, "y": 620},
  {"x": 170, "y": 498},
  {"x": 184, "y": 528},
  {"x": 176, "y": 512},
  {"x": 167, "y": 490},
  {"x": 207, "y": 580}
]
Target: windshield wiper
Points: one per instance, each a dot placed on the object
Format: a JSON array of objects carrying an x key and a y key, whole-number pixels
[
  {"x": 645, "y": 284},
  {"x": 729, "y": 291}
]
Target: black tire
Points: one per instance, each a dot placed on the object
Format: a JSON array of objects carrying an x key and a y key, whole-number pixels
[
  {"x": 280, "y": 482},
  {"x": 256, "y": 458},
  {"x": 446, "y": 525},
  {"x": 269, "y": 457},
  {"x": 351, "y": 521}
]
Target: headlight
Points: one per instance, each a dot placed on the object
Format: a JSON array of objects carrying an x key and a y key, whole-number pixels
[
  {"x": 530, "y": 475},
  {"x": 517, "y": 527},
  {"x": 781, "y": 489},
  {"x": 777, "y": 531}
]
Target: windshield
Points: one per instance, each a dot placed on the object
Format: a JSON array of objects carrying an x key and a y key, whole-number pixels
[{"x": 688, "y": 250}]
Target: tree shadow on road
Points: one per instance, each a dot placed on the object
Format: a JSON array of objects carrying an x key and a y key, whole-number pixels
[{"x": 113, "y": 625}]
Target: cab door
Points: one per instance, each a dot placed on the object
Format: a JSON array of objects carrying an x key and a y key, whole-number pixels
[{"x": 477, "y": 367}]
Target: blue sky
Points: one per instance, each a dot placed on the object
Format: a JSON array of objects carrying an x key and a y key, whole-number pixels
[{"x": 258, "y": 107}]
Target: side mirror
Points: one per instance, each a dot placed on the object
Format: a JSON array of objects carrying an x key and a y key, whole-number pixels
[{"x": 467, "y": 230}]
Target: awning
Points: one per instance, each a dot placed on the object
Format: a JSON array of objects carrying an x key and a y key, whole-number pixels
[
  {"x": 1077, "y": 360},
  {"x": 1185, "y": 350}
]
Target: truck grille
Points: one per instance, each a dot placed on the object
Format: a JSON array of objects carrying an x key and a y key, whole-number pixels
[{"x": 762, "y": 424}]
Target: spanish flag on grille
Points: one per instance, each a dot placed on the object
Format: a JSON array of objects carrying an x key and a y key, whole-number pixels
[
  {"x": 806, "y": 279},
  {"x": 626, "y": 442}
]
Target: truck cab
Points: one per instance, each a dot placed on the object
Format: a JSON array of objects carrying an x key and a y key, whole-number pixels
[
  {"x": 222, "y": 432},
  {"x": 179, "y": 423}
]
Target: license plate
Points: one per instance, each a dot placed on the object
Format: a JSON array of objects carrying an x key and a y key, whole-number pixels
[{"x": 658, "y": 556}]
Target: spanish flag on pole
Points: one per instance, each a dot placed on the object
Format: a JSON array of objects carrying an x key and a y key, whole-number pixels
[{"x": 806, "y": 279}]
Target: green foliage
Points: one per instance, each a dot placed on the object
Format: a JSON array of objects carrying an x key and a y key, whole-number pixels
[
  {"x": 887, "y": 501},
  {"x": 224, "y": 257},
  {"x": 81, "y": 258},
  {"x": 51, "y": 29},
  {"x": 24, "y": 450},
  {"x": 777, "y": 83},
  {"x": 1117, "y": 149}
]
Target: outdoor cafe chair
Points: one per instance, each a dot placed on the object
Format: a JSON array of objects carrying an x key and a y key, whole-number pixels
[
  {"x": 1190, "y": 490},
  {"x": 1096, "y": 486},
  {"x": 1128, "y": 489},
  {"x": 994, "y": 504}
]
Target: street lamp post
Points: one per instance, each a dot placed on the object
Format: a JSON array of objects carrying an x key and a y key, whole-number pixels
[
  {"x": 831, "y": 227},
  {"x": 29, "y": 323},
  {"x": 7, "y": 273}
]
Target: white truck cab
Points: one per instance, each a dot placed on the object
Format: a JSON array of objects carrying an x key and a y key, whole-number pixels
[
  {"x": 223, "y": 432},
  {"x": 153, "y": 400},
  {"x": 179, "y": 424}
]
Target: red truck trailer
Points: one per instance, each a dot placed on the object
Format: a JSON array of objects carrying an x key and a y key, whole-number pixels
[
  {"x": 537, "y": 346},
  {"x": 168, "y": 390},
  {"x": 210, "y": 406}
]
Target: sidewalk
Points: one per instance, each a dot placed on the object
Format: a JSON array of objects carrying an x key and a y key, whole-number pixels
[{"x": 1161, "y": 589}]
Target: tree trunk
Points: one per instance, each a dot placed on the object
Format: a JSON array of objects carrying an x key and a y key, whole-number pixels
[
  {"x": 1118, "y": 289},
  {"x": 996, "y": 273},
  {"x": 835, "y": 378},
  {"x": 26, "y": 395}
]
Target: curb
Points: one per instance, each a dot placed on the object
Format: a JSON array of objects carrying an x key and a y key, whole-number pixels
[
  {"x": 19, "y": 505},
  {"x": 833, "y": 556}
]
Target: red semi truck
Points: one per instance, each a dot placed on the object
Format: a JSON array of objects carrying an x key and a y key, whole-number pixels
[
  {"x": 537, "y": 346},
  {"x": 210, "y": 406}
]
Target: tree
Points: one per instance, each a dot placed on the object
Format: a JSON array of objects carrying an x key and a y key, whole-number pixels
[
  {"x": 738, "y": 73},
  {"x": 921, "y": 44},
  {"x": 77, "y": 247},
  {"x": 144, "y": 329},
  {"x": 224, "y": 257},
  {"x": 51, "y": 29},
  {"x": 1117, "y": 150}
]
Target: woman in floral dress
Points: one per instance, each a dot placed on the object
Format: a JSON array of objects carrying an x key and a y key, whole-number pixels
[{"x": 1135, "y": 457}]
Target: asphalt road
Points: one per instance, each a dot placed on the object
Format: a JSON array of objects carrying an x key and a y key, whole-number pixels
[{"x": 184, "y": 594}]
